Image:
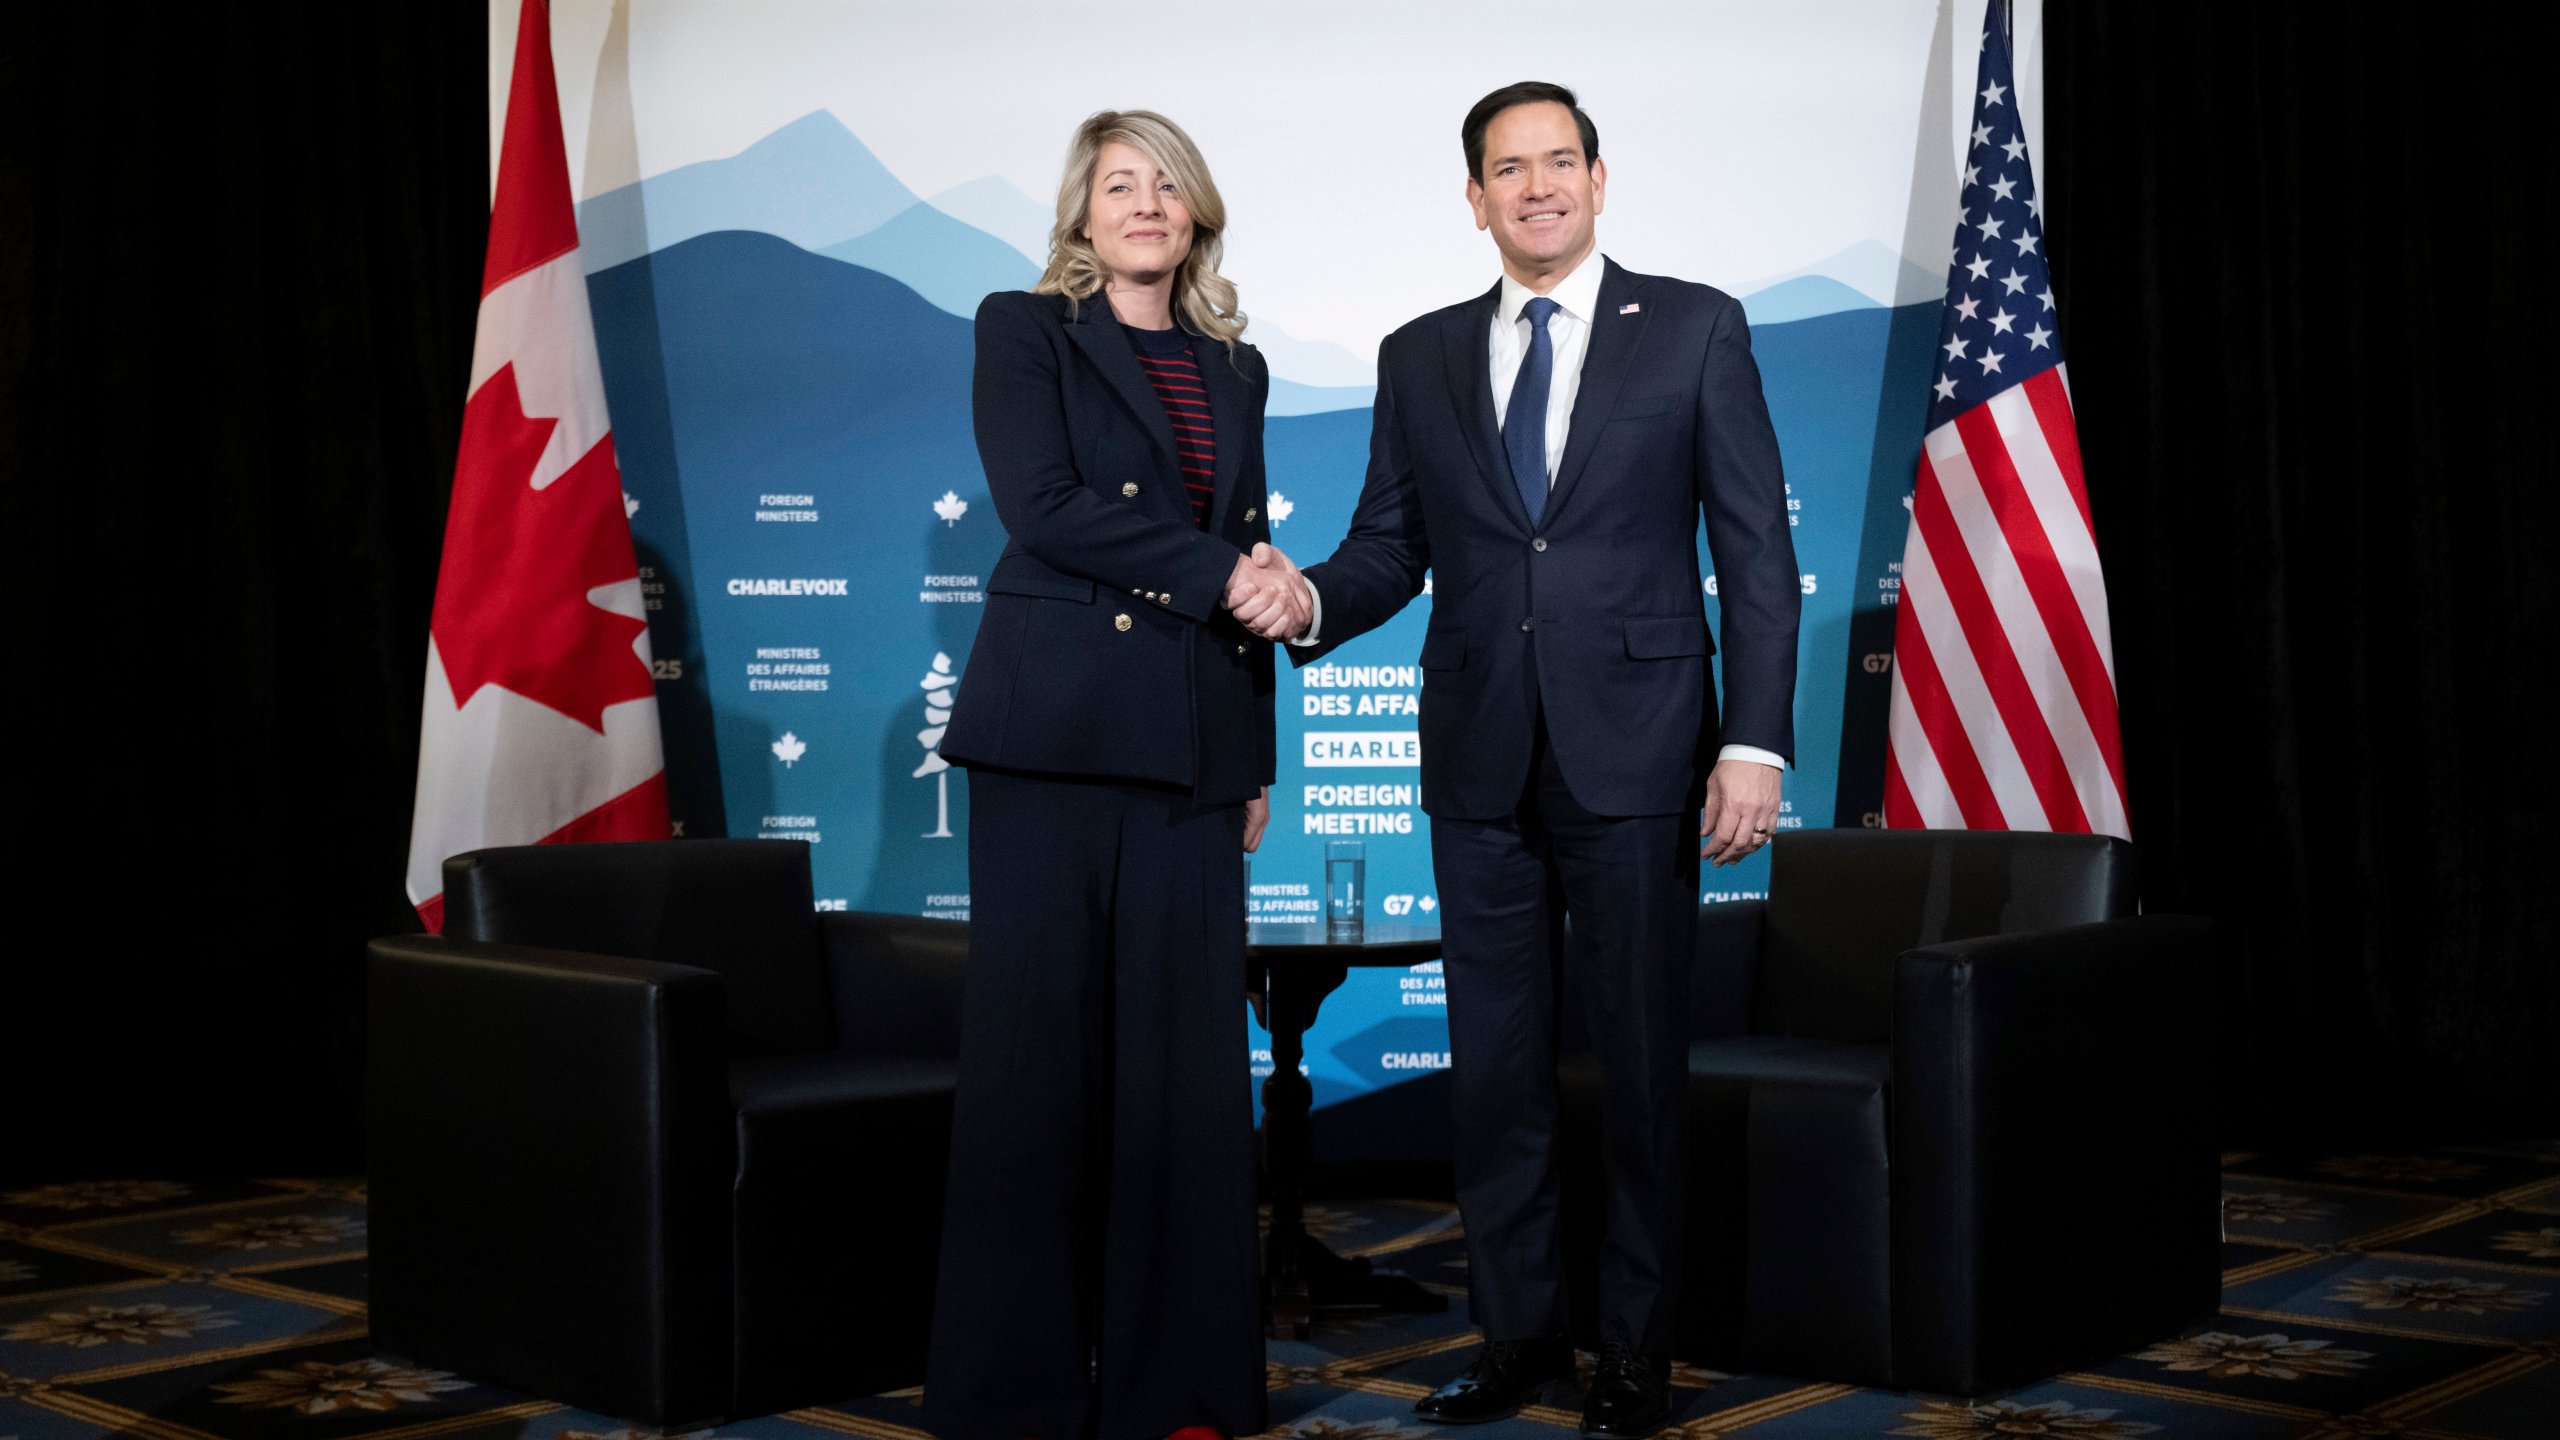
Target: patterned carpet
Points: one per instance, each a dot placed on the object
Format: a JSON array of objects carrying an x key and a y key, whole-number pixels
[{"x": 2365, "y": 1295}]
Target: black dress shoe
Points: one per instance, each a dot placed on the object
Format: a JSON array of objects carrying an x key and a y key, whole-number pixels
[
  {"x": 1630, "y": 1395},
  {"x": 1498, "y": 1381}
]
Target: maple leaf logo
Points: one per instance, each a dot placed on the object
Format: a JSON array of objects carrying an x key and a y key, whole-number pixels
[
  {"x": 1427, "y": 903},
  {"x": 1281, "y": 507},
  {"x": 950, "y": 507},
  {"x": 789, "y": 749},
  {"x": 512, "y": 607}
]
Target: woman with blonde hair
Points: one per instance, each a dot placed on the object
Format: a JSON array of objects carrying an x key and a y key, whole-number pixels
[{"x": 1099, "y": 1271}]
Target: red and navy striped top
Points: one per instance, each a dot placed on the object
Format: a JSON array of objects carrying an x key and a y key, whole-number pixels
[{"x": 1166, "y": 356}]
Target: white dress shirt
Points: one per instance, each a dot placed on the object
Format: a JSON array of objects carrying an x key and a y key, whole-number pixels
[{"x": 1569, "y": 334}]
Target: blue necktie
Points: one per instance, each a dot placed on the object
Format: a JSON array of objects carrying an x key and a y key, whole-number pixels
[{"x": 1524, "y": 424}]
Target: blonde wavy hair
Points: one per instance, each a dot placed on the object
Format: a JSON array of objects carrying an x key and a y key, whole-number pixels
[{"x": 1204, "y": 299}]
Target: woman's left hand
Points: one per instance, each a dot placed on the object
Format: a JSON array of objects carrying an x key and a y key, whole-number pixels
[{"x": 1257, "y": 813}]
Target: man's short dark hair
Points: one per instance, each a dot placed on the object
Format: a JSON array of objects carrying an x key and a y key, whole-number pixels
[{"x": 1525, "y": 92}]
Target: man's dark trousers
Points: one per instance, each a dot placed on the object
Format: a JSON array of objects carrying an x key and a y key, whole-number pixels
[{"x": 1630, "y": 885}]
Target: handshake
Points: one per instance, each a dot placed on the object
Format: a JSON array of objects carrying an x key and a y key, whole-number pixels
[{"x": 1268, "y": 595}]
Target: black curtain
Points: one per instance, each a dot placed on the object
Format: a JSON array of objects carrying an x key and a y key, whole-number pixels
[
  {"x": 241, "y": 250},
  {"x": 2298, "y": 259}
]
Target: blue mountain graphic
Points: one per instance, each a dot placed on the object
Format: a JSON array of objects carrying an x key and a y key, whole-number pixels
[
  {"x": 992, "y": 204},
  {"x": 1802, "y": 299},
  {"x": 949, "y": 263},
  {"x": 955, "y": 265},
  {"x": 1848, "y": 393},
  {"x": 1288, "y": 397},
  {"x": 784, "y": 370},
  {"x": 810, "y": 182},
  {"x": 814, "y": 183},
  {"x": 1875, "y": 270}
]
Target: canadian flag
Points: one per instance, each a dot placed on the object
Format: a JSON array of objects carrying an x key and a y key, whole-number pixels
[{"x": 541, "y": 720}]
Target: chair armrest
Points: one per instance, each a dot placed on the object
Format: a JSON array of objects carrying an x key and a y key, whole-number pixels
[
  {"x": 2052, "y": 1005},
  {"x": 2046, "y": 1087},
  {"x": 1728, "y": 961},
  {"x": 897, "y": 982},
  {"x": 550, "y": 1134}
]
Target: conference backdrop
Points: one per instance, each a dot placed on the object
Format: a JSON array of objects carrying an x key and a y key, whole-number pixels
[{"x": 789, "y": 213}]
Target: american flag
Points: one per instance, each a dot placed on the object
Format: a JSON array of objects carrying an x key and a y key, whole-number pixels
[{"x": 2004, "y": 697}]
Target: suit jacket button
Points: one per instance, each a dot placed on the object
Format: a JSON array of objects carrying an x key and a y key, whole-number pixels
[
  {"x": 1129, "y": 491},
  {"x": 1166, "y": 599},
  {"x": 1530, "y": 624},
  {"x": 1120, "y": 621},
  {"x": 1249, "y": 512},
  {"x": 1539, "y": 544}
]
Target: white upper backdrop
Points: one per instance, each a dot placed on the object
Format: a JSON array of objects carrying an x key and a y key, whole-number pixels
[{"x": 1337, "y": 154}]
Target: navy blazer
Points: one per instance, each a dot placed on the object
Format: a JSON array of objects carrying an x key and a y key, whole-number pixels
[
  {"x": 1106, "y": 649},
  {"x": 1594, "y": 614}
]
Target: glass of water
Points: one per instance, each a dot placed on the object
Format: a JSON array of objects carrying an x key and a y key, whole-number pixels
[{"x": 1346, "y": 889}]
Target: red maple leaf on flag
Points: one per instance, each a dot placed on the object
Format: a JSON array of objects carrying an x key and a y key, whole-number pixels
[{"x": 511, "y": 596}]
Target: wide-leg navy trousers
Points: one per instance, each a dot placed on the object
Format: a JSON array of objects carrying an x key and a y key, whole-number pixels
[{"x": 1100, "y": 1277}]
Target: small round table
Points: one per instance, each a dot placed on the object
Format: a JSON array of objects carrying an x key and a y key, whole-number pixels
[{"x": 1295, "y": 966}]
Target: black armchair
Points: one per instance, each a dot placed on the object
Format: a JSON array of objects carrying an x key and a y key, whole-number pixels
[
  {"x": 1947, "y": 1115},
  {"x": 652, "y": 1136}
]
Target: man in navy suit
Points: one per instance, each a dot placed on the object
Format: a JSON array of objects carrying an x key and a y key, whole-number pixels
[{"x": 1545, "y": 451}]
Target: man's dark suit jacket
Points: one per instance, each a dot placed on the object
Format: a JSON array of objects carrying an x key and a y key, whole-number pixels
[
  {"x": 1595, "y": 613},
  {"x": 1106, "y": 649}
]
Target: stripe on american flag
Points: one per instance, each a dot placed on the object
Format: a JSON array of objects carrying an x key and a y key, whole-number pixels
[{"x": 2004, "y": 704}]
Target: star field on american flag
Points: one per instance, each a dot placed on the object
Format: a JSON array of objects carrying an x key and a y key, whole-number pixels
[{"x": 1999, "y": 324}]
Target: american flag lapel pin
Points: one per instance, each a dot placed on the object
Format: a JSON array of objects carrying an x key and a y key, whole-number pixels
[{"x": 1629, "y": 308}]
